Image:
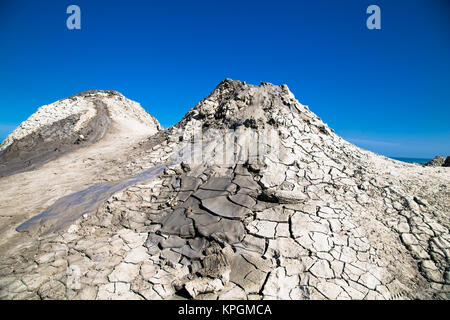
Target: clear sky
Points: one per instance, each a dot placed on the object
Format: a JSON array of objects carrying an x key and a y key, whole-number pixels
[{"x": 385, "y": 90}]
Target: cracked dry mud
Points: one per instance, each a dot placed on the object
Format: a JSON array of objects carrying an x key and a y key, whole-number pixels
[{"x": 317, "y": 218}]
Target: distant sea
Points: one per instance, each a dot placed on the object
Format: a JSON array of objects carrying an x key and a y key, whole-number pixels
[{"x": 412, "y": 160}]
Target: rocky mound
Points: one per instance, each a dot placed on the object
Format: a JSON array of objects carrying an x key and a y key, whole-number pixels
[
  {"x": 250, "y": 196},
  {"x": 66, "y": 125},
  {"x": 439, "y": 161}
]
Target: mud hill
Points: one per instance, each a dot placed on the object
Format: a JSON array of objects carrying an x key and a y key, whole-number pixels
[
  {"x": 69, "y": 124},
  {"x": 249, "y": 196}
]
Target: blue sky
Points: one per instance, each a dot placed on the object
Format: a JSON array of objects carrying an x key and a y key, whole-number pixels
[{"x": 385, "y": 90}]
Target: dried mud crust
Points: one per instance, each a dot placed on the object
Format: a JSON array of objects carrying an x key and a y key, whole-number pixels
[{"x": 322, "y": 219}]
